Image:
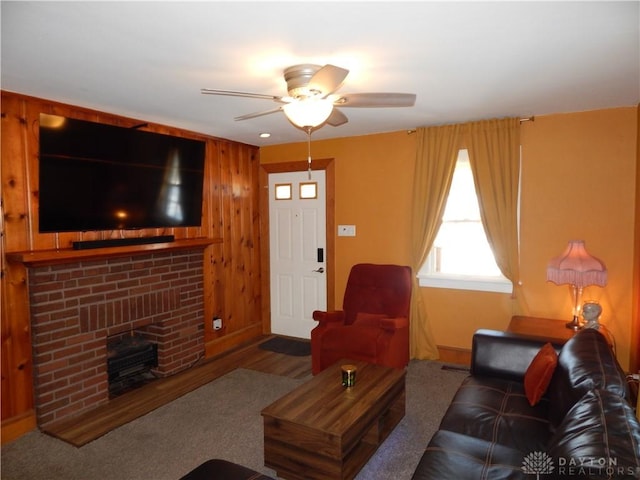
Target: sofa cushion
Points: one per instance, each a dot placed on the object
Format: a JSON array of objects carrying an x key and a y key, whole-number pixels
[
  {"x": 454, "y": 456},
  {"x": 497, "y": 411},
  {"x": 377, "y": 289},
  {"x": 601, "y": 435},
  {"x": 586, "y": 362},
  {"x": 364, "y": 319},
  {"x": 361, "y": 342},
  {"x": 504, "y": 354},
  {"x": 539, "y": 373}
]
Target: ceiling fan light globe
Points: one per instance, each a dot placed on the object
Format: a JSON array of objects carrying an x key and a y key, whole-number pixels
[{"x": 308, "y": 113}]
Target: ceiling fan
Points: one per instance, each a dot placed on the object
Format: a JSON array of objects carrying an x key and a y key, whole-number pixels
[{"x": 311, "y": 99}]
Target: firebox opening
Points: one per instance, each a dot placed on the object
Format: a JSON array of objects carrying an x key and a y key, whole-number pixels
[{"x": 130, "y": 359}]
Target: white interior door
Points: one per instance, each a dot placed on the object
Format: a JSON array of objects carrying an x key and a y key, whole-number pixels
[{"x": 297, "y": 244}]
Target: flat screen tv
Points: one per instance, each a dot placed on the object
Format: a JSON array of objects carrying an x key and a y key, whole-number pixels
[{"x": 95, "y": 176}]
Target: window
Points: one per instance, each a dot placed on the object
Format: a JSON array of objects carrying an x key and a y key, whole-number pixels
[
  {"x": 461, "y": 257},
  {"x": 283, "y": 191},
  {"x": 308, "y": 190}
]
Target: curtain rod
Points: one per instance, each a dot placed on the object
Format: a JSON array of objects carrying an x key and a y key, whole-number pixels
[{"x": 522, "y": 120}]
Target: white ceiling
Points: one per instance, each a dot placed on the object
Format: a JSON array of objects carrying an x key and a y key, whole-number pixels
[{"x": 464, "y": 60}]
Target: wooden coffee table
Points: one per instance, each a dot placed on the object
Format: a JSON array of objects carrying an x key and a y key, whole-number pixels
[{"x": 322, "y": 430}]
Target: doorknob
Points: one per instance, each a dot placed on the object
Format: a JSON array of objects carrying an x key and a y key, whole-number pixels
[{"x": 319, "y": 270}]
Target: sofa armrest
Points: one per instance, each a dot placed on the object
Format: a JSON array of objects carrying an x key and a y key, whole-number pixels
[
  {"x": 393, "y": 324},
  {"x": 336, "y": 316},
  {"x": 503, "y": 354}
]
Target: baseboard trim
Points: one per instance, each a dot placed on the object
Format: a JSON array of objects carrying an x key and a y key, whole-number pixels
[
  {"x": 226, "y": 342},
  {"x": 455, "y": 355},
  {"x": 17, "y": 426}
]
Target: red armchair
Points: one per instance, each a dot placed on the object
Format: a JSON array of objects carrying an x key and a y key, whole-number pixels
[{"x": 373, "y": 325}]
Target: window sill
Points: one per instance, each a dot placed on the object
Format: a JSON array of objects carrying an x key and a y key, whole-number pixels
[{"x": 463, "y": 282}]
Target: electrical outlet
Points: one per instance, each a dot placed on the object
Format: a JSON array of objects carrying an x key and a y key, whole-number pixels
[{"x": 217, "y": 323}]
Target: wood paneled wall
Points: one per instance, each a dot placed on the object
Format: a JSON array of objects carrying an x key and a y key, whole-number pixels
[{"x": 231, "y": 265}]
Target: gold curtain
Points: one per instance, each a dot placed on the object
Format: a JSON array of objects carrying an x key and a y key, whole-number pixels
[
  {"x": 436, "y": 155},
  {"x": 494, "y": 155}
]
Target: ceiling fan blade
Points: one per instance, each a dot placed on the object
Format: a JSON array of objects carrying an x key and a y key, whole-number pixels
[
  {"x": 328, "y": 79},
  {"x": 232, "y": 93},
  {"x": 337, "y": 118},
  {"x": 258, "y": 114},
  {"x": 376, "y": 100}
]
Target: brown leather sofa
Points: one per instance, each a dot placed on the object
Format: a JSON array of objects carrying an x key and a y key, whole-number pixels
[
  {"x": 583, "y": 427},
  {"x": 373, "y": 325}
]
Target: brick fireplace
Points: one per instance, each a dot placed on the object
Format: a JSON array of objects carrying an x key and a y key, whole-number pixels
[{"x": 77, "y": 305}]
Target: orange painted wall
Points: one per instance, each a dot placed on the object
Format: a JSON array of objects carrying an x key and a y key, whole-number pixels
[
  {"x": 373, "y": 192},
  {"x": 578, "y": 181}
]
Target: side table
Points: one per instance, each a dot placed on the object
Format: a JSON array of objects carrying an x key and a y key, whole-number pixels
[{"x": 553, "y": 330}]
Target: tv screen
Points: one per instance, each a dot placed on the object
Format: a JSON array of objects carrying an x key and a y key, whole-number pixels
[{"x": 103, "y": 177}]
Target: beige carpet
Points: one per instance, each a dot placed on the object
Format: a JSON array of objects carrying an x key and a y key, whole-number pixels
[{"x": 222, "y": 420}]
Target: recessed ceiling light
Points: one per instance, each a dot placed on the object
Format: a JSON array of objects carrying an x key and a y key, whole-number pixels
[{"x": 265, "y": 135}]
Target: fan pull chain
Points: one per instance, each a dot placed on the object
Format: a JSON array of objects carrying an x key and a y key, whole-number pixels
[{"x": 309, "y": 150}]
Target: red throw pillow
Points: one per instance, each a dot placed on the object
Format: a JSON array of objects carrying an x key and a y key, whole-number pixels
[
  {"x": 369, "y": 319},
  {"x": 539, "y": 373}
]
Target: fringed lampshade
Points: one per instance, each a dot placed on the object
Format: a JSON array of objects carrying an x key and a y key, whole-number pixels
[{"x": 579, "y": 269}]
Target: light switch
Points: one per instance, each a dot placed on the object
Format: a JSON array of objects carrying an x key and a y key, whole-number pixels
[{"x": 346, "y": 230}]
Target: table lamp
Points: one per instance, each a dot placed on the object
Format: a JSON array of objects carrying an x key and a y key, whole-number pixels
[{"x": 577, "y": 268}]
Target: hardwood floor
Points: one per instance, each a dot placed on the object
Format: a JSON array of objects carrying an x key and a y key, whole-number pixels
[{"x": 120, "y": 410}]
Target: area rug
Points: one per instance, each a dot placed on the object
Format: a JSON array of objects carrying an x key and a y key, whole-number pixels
[
  {"x": 288, "y": 346},
  {"x": 222, "y": 420}
]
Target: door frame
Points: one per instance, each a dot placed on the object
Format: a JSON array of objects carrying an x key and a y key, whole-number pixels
[{"x": 326, "y": 164}]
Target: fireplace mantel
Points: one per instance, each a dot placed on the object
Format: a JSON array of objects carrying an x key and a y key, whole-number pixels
[{"x": 41, "y": 258}]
